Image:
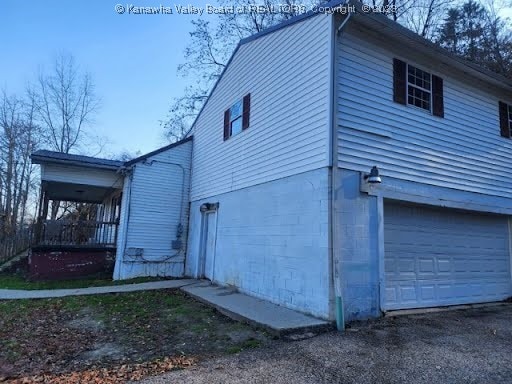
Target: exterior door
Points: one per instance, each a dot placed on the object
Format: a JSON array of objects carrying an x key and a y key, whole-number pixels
[
  {"x": 209, "y": 240},
  {"x": 439, "y": 256}
]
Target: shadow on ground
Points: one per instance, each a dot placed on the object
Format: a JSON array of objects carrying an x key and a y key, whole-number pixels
[
  {"x": 464, "y": 346},
  {"x": 76, "y": 333}
]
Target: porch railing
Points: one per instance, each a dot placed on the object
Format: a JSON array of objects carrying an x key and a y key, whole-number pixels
[
  {"x": 12, "y": 245},
  {"x": 79, "y": 233}
]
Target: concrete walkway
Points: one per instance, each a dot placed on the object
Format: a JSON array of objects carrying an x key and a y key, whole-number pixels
[
  {"x": 276, "y": 319},
  {"x": 11, "y": 294}
]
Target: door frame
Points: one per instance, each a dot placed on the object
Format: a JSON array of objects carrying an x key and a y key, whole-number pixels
[
  {"x": 381, "y": 253},
  {"x": 207, "y": 209}
]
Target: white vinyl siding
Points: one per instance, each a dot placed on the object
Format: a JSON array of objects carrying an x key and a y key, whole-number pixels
[
  {"x": 159, "y": 191},
  {"x": 463, "y": 150},
  {"x": 159, "y": 188},
  {"x": 79, "y": 175},
  {"x": 287, "y": 74}
]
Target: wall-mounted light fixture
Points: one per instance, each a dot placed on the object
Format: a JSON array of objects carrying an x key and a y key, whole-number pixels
[{"x": 373, "y": 177}]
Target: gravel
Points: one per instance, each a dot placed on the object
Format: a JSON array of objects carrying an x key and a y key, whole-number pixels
[{"x": 464, "y": 346}]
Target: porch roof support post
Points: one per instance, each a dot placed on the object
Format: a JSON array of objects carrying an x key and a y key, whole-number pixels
[
  {"x": 40, "y": 205},
  {"x": 43, "y": 214},
  {"x": 39, "y": 220},
  {"x": 46, "y": 202}
]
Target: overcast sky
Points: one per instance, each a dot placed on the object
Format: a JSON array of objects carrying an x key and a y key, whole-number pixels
[{"x": 132, "y": 58}]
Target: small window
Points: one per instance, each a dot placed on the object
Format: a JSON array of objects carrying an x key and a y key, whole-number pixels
[
  {"x": 236, "y": 118},
  {"x": 419, "y": 88},
  {"x": 510, "y": 117},
  {"x": 505, "y": 112}
]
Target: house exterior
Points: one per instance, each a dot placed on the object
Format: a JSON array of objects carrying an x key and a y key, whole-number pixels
[
  {"x": 292, "y": 219},
  {"x": 141, "y": 224},
  {"x": 278, "y": 202},
  {"x": 68, "y": 248},
  {"x": 154, "y": 213}
]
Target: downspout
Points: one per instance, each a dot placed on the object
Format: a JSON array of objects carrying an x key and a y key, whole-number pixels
[
  {"x": 182, "y": 208},
  {"x": 121, "y": 247},
  {"x": 183, "y": 199},
  {"x": 335, "y": 256}
]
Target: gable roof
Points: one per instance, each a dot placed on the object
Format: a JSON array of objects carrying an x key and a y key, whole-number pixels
[
  {"x": 372, "y": 20},
  {"x": 383, "y": 25},
  {"x": 44, "y": 156},
  {"x": 277, "y": 27},
  {"x": 157, "y": 151}
]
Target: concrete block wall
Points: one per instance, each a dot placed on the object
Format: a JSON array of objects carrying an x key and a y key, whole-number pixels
[
  {"x": 357, "y": 225},
  {"x": 272, "y": 241}
]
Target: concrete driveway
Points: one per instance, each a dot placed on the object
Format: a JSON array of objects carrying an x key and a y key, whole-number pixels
[{"x": 464, "y": 346}]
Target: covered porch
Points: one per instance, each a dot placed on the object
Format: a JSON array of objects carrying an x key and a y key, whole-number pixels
[{"x": 78, "y": 216}]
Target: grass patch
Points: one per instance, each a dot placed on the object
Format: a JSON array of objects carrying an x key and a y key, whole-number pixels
[
  {"x": 72, "y": 333},
  {"x": 19, "y": 282},
  {"x": 247, "y": 344}
]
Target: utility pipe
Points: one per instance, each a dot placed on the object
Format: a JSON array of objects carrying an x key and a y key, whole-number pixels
[
  {"x": 125, "y": 219},
  {"x": 336, "y": 266}
]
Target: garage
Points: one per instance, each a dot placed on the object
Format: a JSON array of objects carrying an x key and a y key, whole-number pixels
[{"x": 439, "y": 256}]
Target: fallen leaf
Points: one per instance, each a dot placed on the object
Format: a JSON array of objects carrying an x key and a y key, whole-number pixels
[{"x": 118, "y": 374}]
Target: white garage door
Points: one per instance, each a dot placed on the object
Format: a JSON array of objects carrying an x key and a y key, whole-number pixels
[{"x": 437, "y": 257}]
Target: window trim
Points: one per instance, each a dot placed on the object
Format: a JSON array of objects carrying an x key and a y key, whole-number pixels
[
  {"x": 401, "y": 88},
  {"x": 509, "y": 116},
  {"x": 239, "y": 117},
  {"x": 430, "y": 91},
  {"x": 244, "y": 117},
  {"x": 505, "y": 119}
]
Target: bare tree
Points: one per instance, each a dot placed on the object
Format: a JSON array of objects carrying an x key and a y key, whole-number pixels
[
  {"x": 425, "y": 16},
  {"x": 66, "y": 103},
  {"x": 126, "y": 155},
  {"x": 18, "y": 139},
  {"x": 210, "y": 48},
  {"x": 421, "y": 16}
]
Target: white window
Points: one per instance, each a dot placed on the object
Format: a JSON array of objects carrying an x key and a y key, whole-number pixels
[
  {"x": 419, "y": 88},
  {"x": 235, "y": 118},
  {"x": 510, "y": 117}
]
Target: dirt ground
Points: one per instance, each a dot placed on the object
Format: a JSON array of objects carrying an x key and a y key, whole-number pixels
[
  {"x": 73, "y": 334},
  {"x": 465, "y": 346},
  {"x": 116, "y": 338}
]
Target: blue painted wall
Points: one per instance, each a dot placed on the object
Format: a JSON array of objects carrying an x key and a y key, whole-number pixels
[
  {"x": 357, "y": 223},
  {"x": 272, "y": 241}
]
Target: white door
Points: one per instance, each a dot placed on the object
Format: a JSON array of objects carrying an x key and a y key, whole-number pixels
[
  {"x": 210, "y": 231},
  {"x": 436, "y": 257}
]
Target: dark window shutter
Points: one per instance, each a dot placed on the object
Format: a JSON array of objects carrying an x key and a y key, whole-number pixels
[
  {"x": 399, "y": 81},
  {"x": 226, "y": 125},
  {"x": 437, "y": 96},
  {"x": 246, "y": 111},
  {"x": 504, "y": 121}
]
